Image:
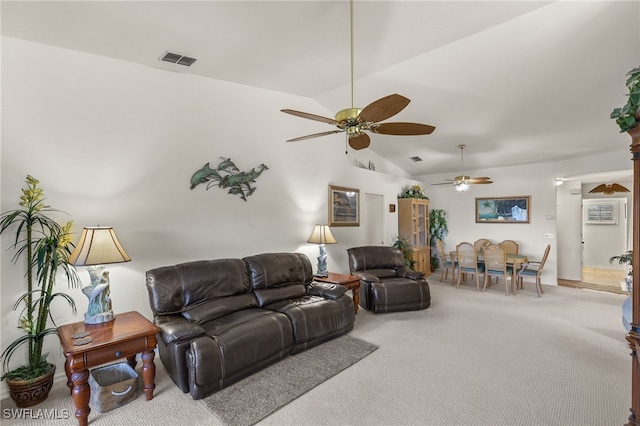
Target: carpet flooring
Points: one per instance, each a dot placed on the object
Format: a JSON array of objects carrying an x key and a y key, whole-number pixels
[
  {"x": 476, "y": 359},
  {"x": 281, "y": 383}
]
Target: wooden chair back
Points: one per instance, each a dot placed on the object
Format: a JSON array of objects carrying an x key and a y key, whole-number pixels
[
  {"x": 544, "y": 259},
  {"x": 468, "y": 262},
  {"x": 495, "y": 263},
  {"x": 509, "y": 246},
  {"x": 441, "y": 252},
  {"x": 467, "y": 256},
  {"x": 480, "y": 243}
]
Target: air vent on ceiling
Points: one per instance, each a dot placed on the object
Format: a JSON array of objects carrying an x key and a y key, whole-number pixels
[
  {"x": 177, "y": 58},
  {"x": 415, "y": 159}
]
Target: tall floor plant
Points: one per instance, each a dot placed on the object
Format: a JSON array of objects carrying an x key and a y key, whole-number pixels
[
  {"x": 45, "y": 247},
  {"x": 438, "y": 229}
]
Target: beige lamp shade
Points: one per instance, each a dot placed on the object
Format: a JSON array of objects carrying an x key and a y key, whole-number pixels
[
  {"x": 321, "y": 235},
  {"x": 98, "y": 245}
]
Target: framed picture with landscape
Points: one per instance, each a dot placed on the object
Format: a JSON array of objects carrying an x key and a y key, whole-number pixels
[
  {"x": 503, "y": 209},
  {"x": 344, "y": 206}
]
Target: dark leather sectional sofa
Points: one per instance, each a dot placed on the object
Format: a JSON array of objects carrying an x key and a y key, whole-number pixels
[{"x": 222, "y": 320}]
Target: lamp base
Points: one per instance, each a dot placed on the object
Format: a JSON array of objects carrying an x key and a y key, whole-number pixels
[
  {"x": 324, "y": 274},
  {"x": 99, "y": 318}
]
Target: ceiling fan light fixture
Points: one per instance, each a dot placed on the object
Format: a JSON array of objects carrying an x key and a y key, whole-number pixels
[{"x": 461, "y": 187}]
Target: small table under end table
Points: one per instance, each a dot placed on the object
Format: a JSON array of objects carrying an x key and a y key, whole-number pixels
[
  {"x": 127, "y": 335},
  {"x": 351, "y": 282}
]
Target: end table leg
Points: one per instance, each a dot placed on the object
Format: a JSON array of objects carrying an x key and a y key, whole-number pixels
[
  {"x": 81, "y": 394},
  {"x": 67, "y": 370},
  {"x": 148, "y": 373},
  {"x": 356, "y": 298}
]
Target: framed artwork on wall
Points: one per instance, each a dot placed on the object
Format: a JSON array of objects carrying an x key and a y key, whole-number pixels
[
  {"x": 344, "y": 206},
  {"x": 503, "y": 209},
  {"x": 600, "y": 212}
]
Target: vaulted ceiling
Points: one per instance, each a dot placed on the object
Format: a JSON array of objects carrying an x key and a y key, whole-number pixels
[{"x": 516, "y": 81}]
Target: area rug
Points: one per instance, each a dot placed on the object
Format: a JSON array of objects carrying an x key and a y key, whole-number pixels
[{"x": 262, "y": 393}]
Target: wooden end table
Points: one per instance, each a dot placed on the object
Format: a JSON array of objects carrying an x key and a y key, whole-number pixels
[
  {"x": 127, "y": 335},
  {"x": 351, "y": 282}
]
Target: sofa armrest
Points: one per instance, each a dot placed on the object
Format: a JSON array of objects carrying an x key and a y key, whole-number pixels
[
  {"x": 365, "y": 276},
  {"x": 326, "y": 290},
  {"x": 176, "y": 327},
  {"x": 405, "y": 272}
]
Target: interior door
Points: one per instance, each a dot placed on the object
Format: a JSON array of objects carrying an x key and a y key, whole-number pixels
[{"x": 373, "y": 219}]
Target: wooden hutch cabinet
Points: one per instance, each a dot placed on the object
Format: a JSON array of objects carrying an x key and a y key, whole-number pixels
[{"x": 413, "y": 226}]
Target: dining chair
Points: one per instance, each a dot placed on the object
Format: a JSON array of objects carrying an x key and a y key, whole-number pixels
[
  {"x": 446, "y": 262},
  {"x": 468, "y": 262},
  {"x": 480, "y": 243},
  {"x": 509, "y": 246},
  {"x": 534, "y": 269},
  {"x": 495, "y": 263}
]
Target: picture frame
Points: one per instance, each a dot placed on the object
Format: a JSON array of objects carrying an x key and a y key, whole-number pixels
[
  {"x": 503, "y": 209},
  {"x": 600, "y": 212},
  {"x": 344, "y": 206}
]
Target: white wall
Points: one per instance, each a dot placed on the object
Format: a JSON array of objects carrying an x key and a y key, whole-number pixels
[{"x": 115, "y": 143}]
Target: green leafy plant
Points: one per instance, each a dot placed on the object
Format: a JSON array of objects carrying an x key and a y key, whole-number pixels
[
  {"x": 438, "y": 230},
  {"x": 45, "y": 247},
  {"x": 407, "y": 251},
  {"x": 412, "y": 191},
  {"x": 627, "y": 116},
  {"x": 623, "y": 259}
]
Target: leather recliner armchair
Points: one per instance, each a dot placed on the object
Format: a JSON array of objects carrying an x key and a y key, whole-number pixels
[{"x": 387, "y": 285}]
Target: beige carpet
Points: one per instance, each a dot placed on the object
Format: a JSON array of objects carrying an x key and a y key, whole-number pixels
[{"x": 470, "y": 359}]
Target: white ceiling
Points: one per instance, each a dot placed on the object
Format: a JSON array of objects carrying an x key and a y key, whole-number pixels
[{"x": 516, "y": 81}]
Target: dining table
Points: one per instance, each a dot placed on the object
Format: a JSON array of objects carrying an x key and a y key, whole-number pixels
[{"x": 515, "y": 260}]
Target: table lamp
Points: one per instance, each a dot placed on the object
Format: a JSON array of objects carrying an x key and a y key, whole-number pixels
[
  {"x": 98, "y": 245},
  {"x": 322, "y": 235}
]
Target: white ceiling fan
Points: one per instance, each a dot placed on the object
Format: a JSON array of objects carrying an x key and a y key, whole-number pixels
[{"x": 463, "y": 182}]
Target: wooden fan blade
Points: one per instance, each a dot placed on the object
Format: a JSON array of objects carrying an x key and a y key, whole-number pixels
[
  {"x": 359, "y": 141},
  {"x": 383, "y": 108},
  {"x": 482, "y": 182},
  {"x": 402, "y": 129},
  {"x": 310, "y": 116},
  {"x": 481, "y": 178},
  {"x": 443, "y": 183},
  {"x": 315, "y": 135}
]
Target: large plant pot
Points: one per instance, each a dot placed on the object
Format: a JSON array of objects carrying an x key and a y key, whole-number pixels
[{"x": 27, "y": 393}]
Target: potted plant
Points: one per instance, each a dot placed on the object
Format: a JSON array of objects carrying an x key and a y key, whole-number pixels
[
  {"x": 412, "y": 191},
  {"x": 407, "y": 251},
  {"x": 44, "y": 245},
  {"x": 625, "y": 259},
  {"x": 627, "y": 305},
  {"x": 627, "y": 117},
  {"x": 438, "y": 229}
]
